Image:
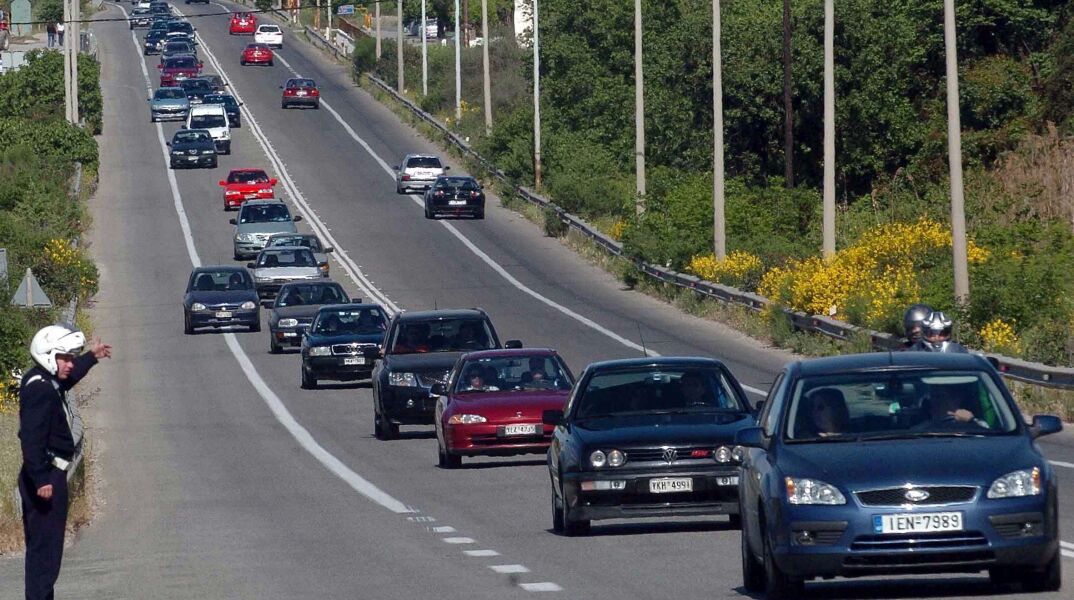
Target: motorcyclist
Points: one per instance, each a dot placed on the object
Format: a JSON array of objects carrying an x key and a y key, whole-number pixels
[
  {"x": 911, "y": 322},
  {"x": 936, "y": 335}
]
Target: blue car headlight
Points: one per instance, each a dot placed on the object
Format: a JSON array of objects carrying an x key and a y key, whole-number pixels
[
  {"x": 812, "y": 491},
  {"x": 320, "y": 351},
  {"x": 1016, "y": 484},
  {"x": 402, "y": 379}
]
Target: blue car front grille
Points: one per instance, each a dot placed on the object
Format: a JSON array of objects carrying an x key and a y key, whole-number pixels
[
  {"x": 912, "y": 542},
  {"x": 934, "y": 495}
]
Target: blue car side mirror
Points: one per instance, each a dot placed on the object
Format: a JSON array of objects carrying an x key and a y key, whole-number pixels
[
  {"x": 1045, "y": 425},
  {"x": 751, "y": 437}
]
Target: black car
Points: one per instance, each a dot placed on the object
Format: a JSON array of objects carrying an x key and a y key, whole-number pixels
[
  {"x": 192, "y": 148},
  {"x": 896, "y": 463},
  {"x": 648, "y": 437},
  {"x": 160, "y": 8},
  {"x": 455, "y": 195},
  {"x": 294, "y": 308},
  {"x": 177, "y": 48},
  {"x": 343, "y": 343},
  {"x": 196, "y": 89},
  {"x": 230, "y": 104},
  {"x": 182, "y": 27},
  {"x": 140, "y": 18},
  {"x": 217, "y": 82},
  {"x": 419, "y": 351},
  {"x": 220, "y": 296},
  {"x": 153, "y": 40}
]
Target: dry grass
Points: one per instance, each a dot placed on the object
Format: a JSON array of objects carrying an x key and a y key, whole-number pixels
[
  {"x": 1038, "y": 178},
  {"x": 1037, "y": 400}
]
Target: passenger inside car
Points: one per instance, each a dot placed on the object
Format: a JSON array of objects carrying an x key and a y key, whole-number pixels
[
  {"x": 827, "y": 414},
  {"x": 236, "y": 282},
  {"x": 413, "y": 339}
]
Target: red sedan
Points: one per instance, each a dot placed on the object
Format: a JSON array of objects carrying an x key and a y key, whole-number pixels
[
  {"x": 299, "y": 91},
  {"x": 493, "y": 403},
  {"x": 256, "y": 54},
  {"x": 246, "y": 184},
  {"x": 242, "y": 24}
]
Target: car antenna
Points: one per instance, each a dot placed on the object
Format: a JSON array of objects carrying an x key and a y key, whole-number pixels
[
  {"x": 434, "y": 304},
  {"x": 641, "y": 336}
]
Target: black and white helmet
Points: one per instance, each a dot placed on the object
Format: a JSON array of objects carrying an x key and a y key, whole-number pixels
[
  {"x": 936, "y": 324},
  {"x": 912, "y": 320}
]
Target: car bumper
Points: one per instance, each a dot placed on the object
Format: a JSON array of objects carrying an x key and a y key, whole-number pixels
[
  {"x": 336, "y": 367},
  {"x": 416, "y": 184},
  {"x": 489, "y": 439},
  {"x": 257, "y": 60},
  {"x": 301, "y": 100},
  {"x": 460, "y": 210},
  {"x": 715, "y": 492},
  {"x": 408, "y": 405},
  {"x": 288, "y": 336},
  {"x": 248, "y": 249},
  {"x": 198, "y": 160},
  {"x": 178, "y": 114},
  {"x": 236, "y": 201},
  {"x": 209, "y": 318},
  {"x": 844, "y": 543}
]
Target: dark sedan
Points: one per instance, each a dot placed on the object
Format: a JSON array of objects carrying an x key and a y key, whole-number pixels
[
  {"x": 912, "y": 462},
  {"x": 196, "y": 89},
  {"x": 192, "y": 148},
  {"x": 140, "y": 18},
  {"x": 220, "y": 296},
  {"x": 230, "y": 104},
  {"x": 294, "y": 309},
  {"x": 647, "y": 438},
  {"x": 419, "y": 351},
  {"x": 343, "y": 343},
  {"x": 153, "y": 40},
  {"x": 456, "y": 196}
]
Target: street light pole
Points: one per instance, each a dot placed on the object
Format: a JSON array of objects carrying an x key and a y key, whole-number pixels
[
  {"x": 639, "y": 113},
  {"x": 718, "y": 217},
  {"x": 486, "y": 84},
  {"x": 376, "y": 12},
  {"x": 536, "y": 104},
  {"x": 829, "y": 130},
  {"x": 75, "y": 35},
  {"x": 399, "y": 48},
  {"x": 788, "y": 106},
  {"x": 954, "y": 157},
  {"x": 458, "y": 66},
  {"x": 424, "y": 55}
]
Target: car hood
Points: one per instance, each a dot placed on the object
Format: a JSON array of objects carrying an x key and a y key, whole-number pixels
[
  {"x": 643, "y": 431},
  {"x": 171, "y": 102},
  {"x": 974, "y": 461},
  {"x": 421, "y": 362},
  {"x": 345, "y": 338},
  {"x": 288, "y": 272},
  {"x": 302, "y": 311},
  {"x": 220, "y": 297},
  {"x": 495, "y": 405},
  {"x": 267, "y": 227}
]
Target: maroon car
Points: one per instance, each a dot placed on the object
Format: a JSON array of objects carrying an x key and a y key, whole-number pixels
[
  {"x": 178, "y": 68},
  {"x": 494, "y": 400}
]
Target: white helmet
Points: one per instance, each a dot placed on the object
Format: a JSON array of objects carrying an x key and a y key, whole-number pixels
[{"x": 53, "y": 340}]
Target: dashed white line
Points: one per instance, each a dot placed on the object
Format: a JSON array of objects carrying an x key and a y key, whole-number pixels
[
  {"x": 458, "y": 540},
  {"x": 480, "y": 553},
  {"x": 509, "y": 569},
  {"x": 444, "y": 529},
  {"x": 1060, "y": 463},
  {"x": 544, "y": 586}
]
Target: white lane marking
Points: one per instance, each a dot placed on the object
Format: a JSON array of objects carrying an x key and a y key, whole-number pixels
[
  {"x": 543, "y": 586},
  {"x": 444, "y": 529},
  {"x": 509, "y": 569},
  {"x": 480, "y": 553},
  {"x": 1067, "y": 553},
  {"x": 1060, "y": 463},
  {"x": 349, "y": 266},
  {"x": 300, "y": 433},
  {"x": 1067, "y": 545},
  {"x": 458, "y": 540}
]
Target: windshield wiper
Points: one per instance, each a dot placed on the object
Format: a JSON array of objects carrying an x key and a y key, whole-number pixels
[
  {"x": 920, "y": 434},
  {"x": 825, "y": 440}
]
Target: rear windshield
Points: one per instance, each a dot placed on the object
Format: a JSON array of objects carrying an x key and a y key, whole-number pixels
[
  {"x": 220, "y": 281},
  {"x": 885, "y": 405},
  {"x": 208, "y": 121},
  {"x": 218, "y": 99},
  {"x": 269, "y": 29},
  {"x": 443, "y": 335},
  {"x": 457, "y": 183},
  {"x": 298, "y": 294},
  {"x": 169, "y": 94},
  {"x": 301, "y": 83},
  {"x": 248, "y": 177},
  {"x": 185, "y": 62},
  {"x": 196, "y": 85},
  {"x": 291, "y": 257},
  {"x": 304, "y": 241},
  {"x": 423, "y": 162},
  {"x": 264, "y": 213}
]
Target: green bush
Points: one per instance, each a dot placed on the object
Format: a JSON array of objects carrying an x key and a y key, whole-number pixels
[
  {"x": 365, "y": 59},
  {"x": 35, "y": 91}
]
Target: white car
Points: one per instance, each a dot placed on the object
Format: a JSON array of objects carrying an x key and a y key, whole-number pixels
[
  {"x": 214, "y": 118},
  {"x": 417, "y": 172},
  {"x": 270, "y": 35}
]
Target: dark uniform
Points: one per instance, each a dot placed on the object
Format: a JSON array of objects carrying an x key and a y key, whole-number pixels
[{"x": 49, "y": 429}]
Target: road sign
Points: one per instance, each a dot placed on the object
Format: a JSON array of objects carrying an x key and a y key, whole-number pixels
[
  {"x": 30, "y": 294},
  {"x": 345, "y": 9}
]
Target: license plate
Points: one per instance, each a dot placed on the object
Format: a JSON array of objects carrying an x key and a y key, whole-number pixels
[
  {"x": 733, "y": 480},
  {"x": 670, "y": 485},
  {"x": 290, "y": 334},
  {"x": 300, "y": 93},
  {"x": 354, "y": 360},
  {"x": 456, "y": 203},
  {"x": 917, "y": 523},
  {"x": 192, "y": 158},
  {"x": 223, "y": 314},
  {"x": 530, "y": 429},
  {"x": 249, "y": 196}
]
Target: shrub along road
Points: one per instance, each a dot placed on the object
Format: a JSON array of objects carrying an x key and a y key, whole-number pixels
[{"x": 206, "y": 495}]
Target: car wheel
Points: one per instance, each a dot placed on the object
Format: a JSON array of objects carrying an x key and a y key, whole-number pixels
[
  {"x": 256, "y": 327},
  {"x": 283, "y": 105},
  {"x": 778, "y": 585},
  {"x": 480, "y": 214},
  {"x": 398, "y": 190},
  {"x": 383, "y": 429},
  {"x": 571, "y": 527},
  {"x": 448, "y": 460},
  {"x": 215, "y": 163},
  {"x": 317, "y": 106},
  {"x": 273, "y": 347},
  {"x": 428, "y": 214},
  {"x": 309, "y": 382},
  {"x": 559, "y": 524},
  {"x": 1050, "y": 579},
  {"x": 188, "y": 327},
  {"x": 752, "y": 569},
  {"x": 735, "y": 521},
  {"x": 270, "y": 63},
  {"x": 242, "y": 62}
]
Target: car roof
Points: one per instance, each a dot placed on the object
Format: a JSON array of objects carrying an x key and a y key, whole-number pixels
[
  {"x": 246, "y": 170},
  {"x": 322, "y": 281},
  {"x": 509, "y": 353},
  {"x": 209, "y": 109},
  {"x": 661, "y": 361},
  {"x": 217, "y": 268},
  {"x": 262, "y": 202},
  {"x": 350, "y": 306},
  {"x": 873, "y": 361},
  {"x": 433, "y": 315},
  {"x": 409, "y": 156},
  {"x": 275, "y": 249},
  {"x": 280, "y": 234}
]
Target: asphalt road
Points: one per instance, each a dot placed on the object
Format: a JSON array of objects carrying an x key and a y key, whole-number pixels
[{"x": 221, "y": 478}]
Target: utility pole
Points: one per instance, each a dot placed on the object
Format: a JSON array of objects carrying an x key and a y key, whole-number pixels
[
  {"x": 376, "y": 12},
  {"x": 788, "y": 107},
  {"x": 74, "y": 33},
  {"x": 458, "y": 66},
  {"x": 316, "y": 16},
  {"x": 639, "y": 113},
  {"x": 466, "y": 23},
  {"x": 536, "y": 104},
  {"x": 718, "y": 217},
  {"x": 486, "y": 84},
  {"x": 954, "y": 157},
  {"x": 399, "y": 47},
  {"x": 328, "y": 9},
  {"x": 829, "y": 130},
  {"x": 67, "y": 62},
  {"x": 424, "y": 54}
]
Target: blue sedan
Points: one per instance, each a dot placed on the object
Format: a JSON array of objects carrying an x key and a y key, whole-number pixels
[{"x": 904, "y": 463}]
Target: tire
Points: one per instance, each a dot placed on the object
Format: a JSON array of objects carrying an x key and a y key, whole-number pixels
[
  {"x": 256, "y": 327},
  {"x": 270, "y": 63},
  {"x": 778, "y": 585},
  {"x": 447, "y": 460},
  {"x": 273, "y": 347},
  {"x": 559, "y": 523},
  {"x": 752, "y": 569},
  {"x": 283, "y": 105},
  {"x": 309, "y": 382},
  {"x": 383, "y": 429},
  {"x": 480, "y": 215},
  {"x": 215, "y": 164},
  {"x": 1050, "y": 579},
  {"x": 1002, "y": 577},
  {"x": 429, "y": 215},
  {"x": 734, "y": 521},
  {"x": 317, "y": 106},
  {"x": 398, "y": 190},
  {"x": 188, "y": 327}
]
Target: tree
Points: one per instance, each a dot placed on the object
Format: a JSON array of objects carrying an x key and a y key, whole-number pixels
[{"x": 50, "y": 11}]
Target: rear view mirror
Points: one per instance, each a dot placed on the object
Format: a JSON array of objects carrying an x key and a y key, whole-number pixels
[
  {"x": 251, "y": 265},
  {"x": 513, "y": 344},
  {"x": 751, "y": 437},
  {"x": 757, "y": 407},
  {"x": 552, "y": 417},
  {"x": 222, "y": 182},
  {"x": 272, "y": 181},
  {"x": 168, "y": 144},
  {"x": 394, "y": 167},
  {"x": 447, "y": 168},
  {"x": 232, "y": 221},
  {"x": 438, "y": 389},
  {"x": 296, "y": 218},
  {"x": 1045, "y": 425}
]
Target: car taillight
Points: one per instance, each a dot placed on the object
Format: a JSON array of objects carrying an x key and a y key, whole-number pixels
[
  {"x": 314, "y": 93},
  {"x": 264, "y": 191},
  {"x": 406, "y": 177},
  {"x": 289, "y": 92}
]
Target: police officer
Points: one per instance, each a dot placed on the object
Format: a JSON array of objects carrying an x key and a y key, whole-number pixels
[
  {"x": 50, "y": 430},
  {"x": 936, "y": 335}
]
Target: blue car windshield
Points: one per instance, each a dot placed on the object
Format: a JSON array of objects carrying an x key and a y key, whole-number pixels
[
  {"x": 887, "y": 405},
  {"x": 357, "y": 321},
  {"x": 655, "y": 390}
]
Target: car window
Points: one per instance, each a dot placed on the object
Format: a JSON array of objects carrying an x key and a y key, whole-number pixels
[
  {"x": 769, "y": 417},
  {"x": 268, "y": 29},
  {"x": 219, "y": 281},
  {"x": 443, "y": 335},
  {"x": 184, "y": 62},
  {"x": 661, "y": 389},
  {"x": 457, "y": 183},
  {"x": 311, "y": 293},
  {"x": 248, "y": 177},
  {"x": 304, "y": 241},
  {"x": 208, "y": 121},
  {"x": 363, "y": 321},
  {"x": 902, "y": 404},
  {"x": 191, "y": 136},
  {"x": 264, "y": 213},
  {"x": 169, "y": 94},
  {"x": 516, "y": 374},
  {"x": 297, "y": 257},
  {"x": 423, "y": 162}
]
